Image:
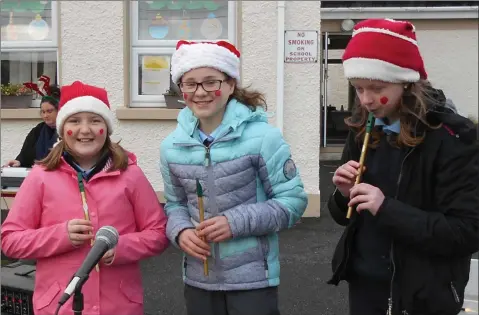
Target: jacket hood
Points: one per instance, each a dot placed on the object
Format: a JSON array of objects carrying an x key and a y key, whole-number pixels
[
  {"x": 132, "y": 159},
  {"x": 444, "y": 111}
]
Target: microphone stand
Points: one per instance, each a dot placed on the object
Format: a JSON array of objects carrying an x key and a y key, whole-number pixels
[{"x": 77, "y": 305}]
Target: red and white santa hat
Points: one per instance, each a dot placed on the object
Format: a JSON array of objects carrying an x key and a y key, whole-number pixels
[
  {"x": 385, "y": 50},
  {"x": 79, "y": 97},
  {"x": 220, "y": 55}
]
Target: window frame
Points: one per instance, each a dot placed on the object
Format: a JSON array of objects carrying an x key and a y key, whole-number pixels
[
  {"x": 410, "y": 13},
  {"x": 145, "y": 100},
  {"x": 39, "y": 50},
  {"x": 35, "y": 45},
  {"x": 39, "y": 46},
  {"x": 160, "y": 47}
]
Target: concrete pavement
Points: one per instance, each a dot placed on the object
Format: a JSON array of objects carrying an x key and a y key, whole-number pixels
[
  {"x": 305, "y": 250},
  {"x": 305, "y": 255}
]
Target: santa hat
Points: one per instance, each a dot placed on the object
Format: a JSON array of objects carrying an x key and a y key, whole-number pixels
[
  {"x": 385, "y": 50},
  {"x": 79, "y": 97},
  {"x": 220, "y": 55}
]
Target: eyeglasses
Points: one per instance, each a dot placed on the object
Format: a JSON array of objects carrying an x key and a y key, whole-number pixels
[{"x": 208, "y": 86}]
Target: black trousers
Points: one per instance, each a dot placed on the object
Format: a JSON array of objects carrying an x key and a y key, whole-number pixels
[
  {"x": 368, "y": 297},
  {"x": 247, "y": 302}
]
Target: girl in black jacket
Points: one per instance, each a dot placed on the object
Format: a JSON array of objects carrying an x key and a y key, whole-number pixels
[
  {"x": 407, "y": 248},
  {"x": 41, "y": 138}
]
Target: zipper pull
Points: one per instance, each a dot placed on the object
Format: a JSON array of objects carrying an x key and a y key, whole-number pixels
[
  {"x": 207, "y": 157},
  {"x": 390, "y": 306},
  {"x": 454, "y": 293}
]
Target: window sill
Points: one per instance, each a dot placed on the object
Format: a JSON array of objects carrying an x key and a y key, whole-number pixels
[
  {"x": 20, "y": 113},
  {"x": 410, "y": 13},
  {"x": 128, "y": 113},
  {"x": 122, "y": 113}
]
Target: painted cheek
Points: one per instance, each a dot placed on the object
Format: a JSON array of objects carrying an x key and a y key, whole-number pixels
[
  {"x": 384, "y": 100},
  {"x": 185, "y": 96},
  {"x": 69, "y": 132},
  {"x": 101, "y": 131},
  {"x": 218, "y": 93}
]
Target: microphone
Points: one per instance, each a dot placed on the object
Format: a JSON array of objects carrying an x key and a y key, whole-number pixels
[{"x": 105, "y": 239}]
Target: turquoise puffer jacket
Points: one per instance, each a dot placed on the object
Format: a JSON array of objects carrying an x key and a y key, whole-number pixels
[{"x": 247, "y": 175}]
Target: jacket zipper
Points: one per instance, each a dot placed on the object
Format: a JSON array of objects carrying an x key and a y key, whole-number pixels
[
  {"x": 207, "y": 156},
  {"x": 220, "y": 138},
  {"x": 390, "y": 299},
  {"x": 454, "y": 293},
  {"x": 185, "y": 264}
]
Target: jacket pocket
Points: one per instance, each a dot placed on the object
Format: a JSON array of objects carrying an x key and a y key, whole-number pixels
[
  {"x": 445, "y": 292},
  {"x": 131, "y": 293},
  {"x": 45, "y": 299}
]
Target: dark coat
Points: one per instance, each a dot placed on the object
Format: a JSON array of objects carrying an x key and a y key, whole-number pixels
[
  {"x": 27, "y": 154},
  {"x": 433, "y": 219}
]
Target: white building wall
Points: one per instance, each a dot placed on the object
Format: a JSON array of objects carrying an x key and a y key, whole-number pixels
[{"x": 92, "y": 50}]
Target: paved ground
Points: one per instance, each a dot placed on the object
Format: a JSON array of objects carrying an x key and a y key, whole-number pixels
[{"x": 305, "y": 250}]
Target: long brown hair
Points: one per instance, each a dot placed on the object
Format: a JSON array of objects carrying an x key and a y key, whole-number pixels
[
  {"x": 249, "y": 97},
  {"x": 417, "y": 99},
  {"x": 118, "y": 155}
]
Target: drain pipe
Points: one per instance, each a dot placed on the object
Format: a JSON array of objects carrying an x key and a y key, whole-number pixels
[{"x": 280, "y": 67}]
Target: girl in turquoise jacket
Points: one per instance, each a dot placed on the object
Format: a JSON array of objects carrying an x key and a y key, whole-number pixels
[{"x": 251, "y": 186}]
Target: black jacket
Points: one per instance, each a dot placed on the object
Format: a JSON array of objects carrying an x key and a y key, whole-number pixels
[
  {"x": 27, "y": 154},
  {"x": 433, "y": 221}
]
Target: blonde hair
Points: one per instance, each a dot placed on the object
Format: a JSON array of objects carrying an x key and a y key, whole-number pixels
[
  {"x": 118, "y": 155},
  {"x": 418, "y": 97}
]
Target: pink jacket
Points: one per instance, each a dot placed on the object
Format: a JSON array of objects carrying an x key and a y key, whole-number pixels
[{"x": 36, "y": 228}]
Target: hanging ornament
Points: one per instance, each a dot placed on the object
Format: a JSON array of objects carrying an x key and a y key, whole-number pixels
[
  {"x": 11, "y": 29},
  {"x": 159, "y": 27},
  {"x": 184, "y": 30},
  {"x": 211, "y": 28},
  {"x": 38, "y": 29}
]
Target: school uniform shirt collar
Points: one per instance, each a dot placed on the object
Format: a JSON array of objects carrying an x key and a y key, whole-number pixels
[
  {"x": 395, "y": 127},
  {"x": 212, "y": 136}
]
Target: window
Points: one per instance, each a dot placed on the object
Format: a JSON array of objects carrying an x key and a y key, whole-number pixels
[
  {"x": 29, "y": 42},
  {"x": 156, "y": 27},
  {"x": 397, "y": 4},
  {"x": 399, "y": 9}
]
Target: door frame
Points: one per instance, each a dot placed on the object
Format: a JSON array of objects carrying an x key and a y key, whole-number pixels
[{"x": 324, "y": 77}]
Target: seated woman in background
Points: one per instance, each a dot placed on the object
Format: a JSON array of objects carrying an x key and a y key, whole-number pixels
[{"x": 41, "y": 138}]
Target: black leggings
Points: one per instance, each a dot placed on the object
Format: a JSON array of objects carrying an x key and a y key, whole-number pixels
[{"x": 248, "y": 302}]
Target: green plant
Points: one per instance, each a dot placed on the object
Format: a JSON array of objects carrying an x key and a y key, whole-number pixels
[
  {"x": 171, "y": 92},
  {"x": 15, "y": 90}
]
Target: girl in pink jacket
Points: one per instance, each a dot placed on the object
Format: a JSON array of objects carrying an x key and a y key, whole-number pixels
[{"x": 51, "y": 222}]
